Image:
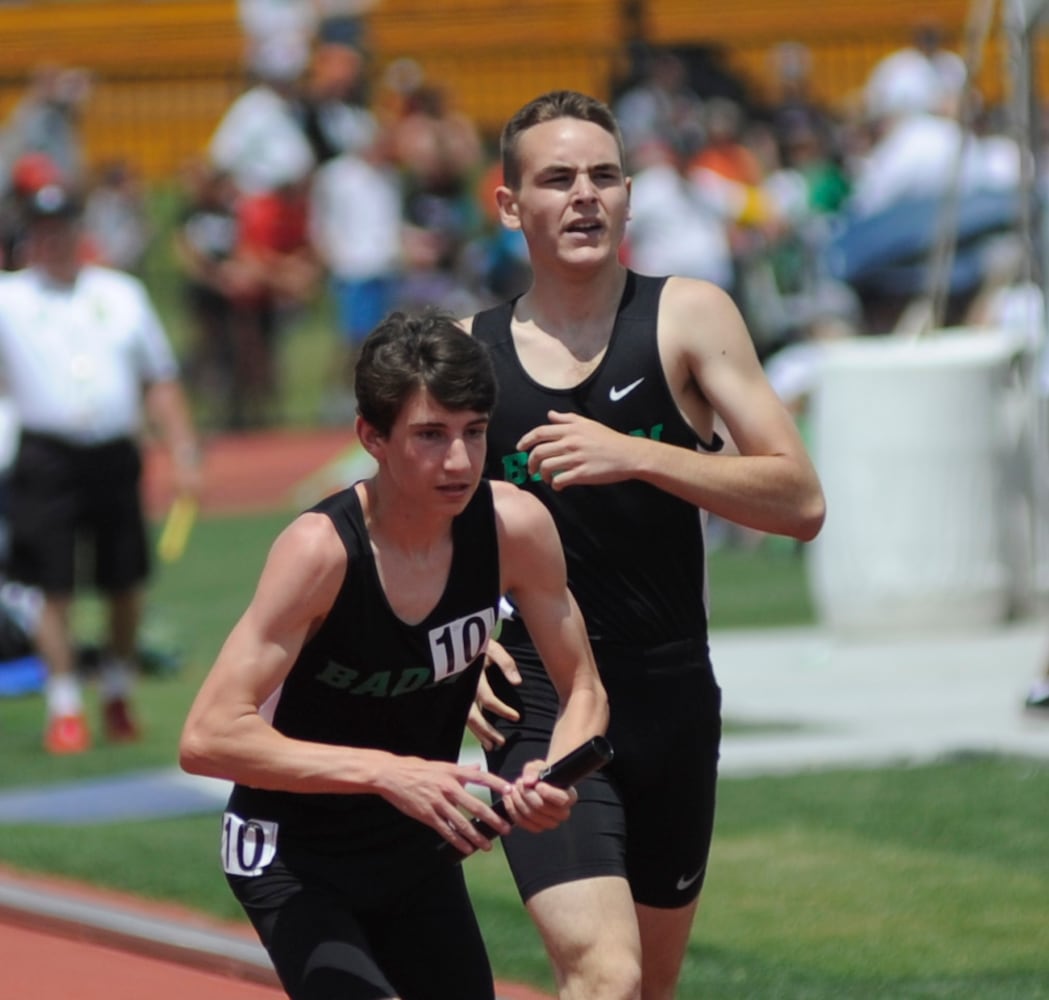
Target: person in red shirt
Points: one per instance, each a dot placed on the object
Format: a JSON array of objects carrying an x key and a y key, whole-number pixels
[{"x": 281, "y": 273}]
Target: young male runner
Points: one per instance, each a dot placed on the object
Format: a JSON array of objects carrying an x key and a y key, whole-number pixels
[
  {"x": 609, "y": 387},
  {"x": 339, "y": 701}
]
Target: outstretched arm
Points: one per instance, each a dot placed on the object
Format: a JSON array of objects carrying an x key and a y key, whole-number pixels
[{"x": 226, "y": 736}]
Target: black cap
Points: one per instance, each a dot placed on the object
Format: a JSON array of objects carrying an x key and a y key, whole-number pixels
[{"x": 53, "y": 201}]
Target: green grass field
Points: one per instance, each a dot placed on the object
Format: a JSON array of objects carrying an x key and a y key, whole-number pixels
[{"x": 924, "y": 882}]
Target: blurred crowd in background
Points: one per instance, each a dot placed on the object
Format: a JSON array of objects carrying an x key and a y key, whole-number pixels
[{"x": 324, "y": 179}]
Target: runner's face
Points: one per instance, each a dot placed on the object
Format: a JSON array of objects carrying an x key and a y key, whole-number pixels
[
  {"x": 434, "y": 455},
  {"x": 573, "y": 200}
]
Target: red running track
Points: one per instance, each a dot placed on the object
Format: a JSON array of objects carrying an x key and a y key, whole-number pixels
[
  {"x": 61, "y": 940},
  {"x": 65, "y": 941}
]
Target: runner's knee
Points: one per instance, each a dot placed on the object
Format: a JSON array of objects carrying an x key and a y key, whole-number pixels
[{"x": 611, "y": 974}]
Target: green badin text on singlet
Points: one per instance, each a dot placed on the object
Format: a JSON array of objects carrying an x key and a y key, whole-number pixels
[
  {"x": 376, "y": 684},
  {"x": 515, "y": 465}
]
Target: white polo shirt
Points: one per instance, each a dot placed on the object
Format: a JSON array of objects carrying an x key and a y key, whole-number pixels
[{"x": 75, "y": 358}]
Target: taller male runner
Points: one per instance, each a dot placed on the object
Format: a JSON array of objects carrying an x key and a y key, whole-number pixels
[{"x": 609, "y": 387}]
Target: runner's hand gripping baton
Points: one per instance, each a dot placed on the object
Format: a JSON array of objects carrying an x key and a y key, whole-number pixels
[{"x": 584, "y": 760}]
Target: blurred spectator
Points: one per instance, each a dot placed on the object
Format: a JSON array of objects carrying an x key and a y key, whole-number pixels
[
  {"x": 440, "y": 154},
  {"x": 29, "y": 173},
  {"x": 793, "y": 102},
  {"x": 948, "y": 65},
  {"x": 920, "y": 140},
  {"x": 922, "y": 75},
  {"x": 660, "y": 106},
  {"x": 807, "y": 150},
  {"x": 730, "y": 174},
  {"x": 809, "y": 184},
  {"x": 291, "y": 24},
  {"x": 205, "y": 246},
  {"x": 343, "y": 22},
  {"x": 32, "y": 171},
  {"x": 917, "y": 148},
  {"x": 356, "y": 227},
  {"x": 115, "y": 218},
  {"x": 280, "y": 273},
  {"x": 723, "y": 150},
  {"x": 303, "y": 109},
  {"x": 47, "y": 121},
  {"x": 502, "y": 253},
  {"x": 259, "y": 141},
  {"x": 673, "y": 228},
  {"x": 86, "y": 360},
  {"x": 328, "y": 107},
  {"x": 922, "y": 170},
  {"x": 439, "y": 145},
  {"x": 306, "y": 22},
  {"x": 401, "y": 78},
  {"x": 786, "y": 291},
  {"x": 1001, "y": 159}
]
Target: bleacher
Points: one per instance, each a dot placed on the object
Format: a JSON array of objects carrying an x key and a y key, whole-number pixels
[{"x": 166, "y": 69}]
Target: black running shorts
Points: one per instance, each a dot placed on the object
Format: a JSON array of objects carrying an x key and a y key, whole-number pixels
[
  {"x": 367, "y": 928},
  {"x": 649, "y": 815}
]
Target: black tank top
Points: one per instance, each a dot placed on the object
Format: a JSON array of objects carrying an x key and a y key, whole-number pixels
[
  {"x": 635, "y": 553},
  {"x": 368, "y": 679}
]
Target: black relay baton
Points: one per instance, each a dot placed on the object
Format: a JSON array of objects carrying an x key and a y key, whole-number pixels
[{"x": 572, "y": 768}]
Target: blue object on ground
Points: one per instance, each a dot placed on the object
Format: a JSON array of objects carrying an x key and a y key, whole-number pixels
[
  {"x": 25, "y": 675},
  {"x": 116, "y": 798}
]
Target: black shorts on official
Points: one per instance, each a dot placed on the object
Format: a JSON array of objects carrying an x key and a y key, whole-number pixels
[
  {"x": 648, "y": 816},
  {"x": 76, "y": 515}
]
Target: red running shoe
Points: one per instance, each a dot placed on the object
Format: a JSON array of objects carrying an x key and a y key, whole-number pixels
[
  {"x": 120, "y": 727},
  {"x": 67, "y": 734}
]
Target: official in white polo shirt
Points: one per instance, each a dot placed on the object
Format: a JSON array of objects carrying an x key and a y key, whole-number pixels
[{"x": 86, "y": 363}]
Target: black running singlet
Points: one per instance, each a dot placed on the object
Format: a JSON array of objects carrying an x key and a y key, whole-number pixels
[
  {"x": 635, "y": 554},
  {"x": 368, "y": 679}
]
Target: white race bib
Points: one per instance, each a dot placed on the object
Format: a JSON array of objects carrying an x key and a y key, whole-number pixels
[
  {"x": 455, "y": 645},
  {"x": 248, "y": 845}
]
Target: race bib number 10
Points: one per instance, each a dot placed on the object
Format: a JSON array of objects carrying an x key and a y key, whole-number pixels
[
  {"x": 455, "y": 645},
  {"x": 248, "y": 845}
]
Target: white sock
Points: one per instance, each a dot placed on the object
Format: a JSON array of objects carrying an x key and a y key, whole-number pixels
[
  {"x": 63, "y": 696},
  {"x": 115, "y": 679}
]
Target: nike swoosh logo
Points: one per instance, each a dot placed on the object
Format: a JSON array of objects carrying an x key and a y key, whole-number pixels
[
  {"x": 616, "y": 395},
  {"x": 683, "y": 883}
]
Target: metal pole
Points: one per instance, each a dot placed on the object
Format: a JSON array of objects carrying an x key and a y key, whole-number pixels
[
  {"x": 977, "y": 28},
  {"x": 1020, "y": 23}
]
